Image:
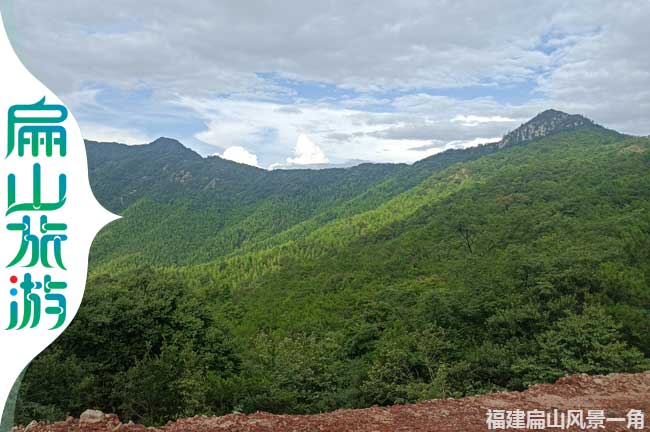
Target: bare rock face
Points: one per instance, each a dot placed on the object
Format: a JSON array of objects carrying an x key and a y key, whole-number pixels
[
  {"x": 92, "y": 416},
  {"x": 544, "y": 124}
]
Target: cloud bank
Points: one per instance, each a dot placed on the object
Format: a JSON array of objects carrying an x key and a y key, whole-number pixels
[{"x": 371, "y": 80}]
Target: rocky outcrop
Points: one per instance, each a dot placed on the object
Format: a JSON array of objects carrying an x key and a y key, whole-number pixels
[
  {"x": 544, "y": 124},
  {"x": 615, "y": 395}
]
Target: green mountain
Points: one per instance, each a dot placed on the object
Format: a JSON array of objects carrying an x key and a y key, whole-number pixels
[
  {"x": 215, "y": 207},
  {"x": 226, "y": 287}
]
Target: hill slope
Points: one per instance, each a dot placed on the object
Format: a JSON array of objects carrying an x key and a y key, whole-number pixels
[
  {"x": 471, "y": 271},
  {"x": 218, "y": 207}
]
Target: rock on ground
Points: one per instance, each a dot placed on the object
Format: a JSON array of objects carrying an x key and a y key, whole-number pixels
[
  {"x": 92, "y": 416},
  {"x": 616, "y": 394}
]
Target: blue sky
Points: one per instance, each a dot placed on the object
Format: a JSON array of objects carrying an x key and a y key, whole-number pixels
[{"x": 305, "y": 84}]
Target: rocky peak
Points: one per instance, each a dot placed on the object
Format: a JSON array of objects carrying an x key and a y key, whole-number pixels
[
  {"x": 165, "y": 148},
  {"x": 168, "y": 143},
  {"x": 544, "y": 124}
]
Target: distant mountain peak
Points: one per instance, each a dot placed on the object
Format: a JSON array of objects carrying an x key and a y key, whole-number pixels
[
  {"x": 167, "y": 142},
  {"x": 546, "y": 123}
]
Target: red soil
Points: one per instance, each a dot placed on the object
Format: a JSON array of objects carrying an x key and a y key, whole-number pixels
[{"x": 616, "y": 394}]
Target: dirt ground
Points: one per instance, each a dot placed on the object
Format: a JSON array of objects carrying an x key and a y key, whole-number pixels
[{"x": 614, "y": 394}]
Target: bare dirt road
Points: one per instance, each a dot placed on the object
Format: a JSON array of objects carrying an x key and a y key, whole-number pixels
[{"x": 603, "y": 400}]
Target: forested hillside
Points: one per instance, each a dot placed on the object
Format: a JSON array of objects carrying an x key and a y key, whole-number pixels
[
  {"x": 226, "y": 287},
  {"x": 180, "y": 208}
]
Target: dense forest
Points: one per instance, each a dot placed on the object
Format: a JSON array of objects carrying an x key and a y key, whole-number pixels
[{"x": 229, "y": 288}]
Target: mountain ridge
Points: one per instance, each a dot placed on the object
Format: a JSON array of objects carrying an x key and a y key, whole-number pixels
[
  {"x": 543, "y": 124},
  {"x": 165, "y": 173}
]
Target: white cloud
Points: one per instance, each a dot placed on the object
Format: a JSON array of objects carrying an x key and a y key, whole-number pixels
[
  {"x": 471, "y": 143},
  {"x": 219, "y": 46},
  {"x": 473, "y": 120},
  {"x": 307, "y": 152},
  {"x": 413, "y": 65},
  {"x": 103, "y": 133},
  {"x": 241, "y": 155},
  {"x": 414, "y": 127},
  {"x": 605, "y": 74}
]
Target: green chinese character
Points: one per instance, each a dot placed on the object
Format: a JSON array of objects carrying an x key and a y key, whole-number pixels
[
  {"x": 39, "y": 245},
  {"x": 32, "y": 305},
  {"x": 36, "y": 204},
  {"x": 60, "y": 309},
  {"x": 40, "y": 129}
]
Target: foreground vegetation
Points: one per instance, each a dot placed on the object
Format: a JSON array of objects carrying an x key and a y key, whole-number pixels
[{"x": 468, "y": 273}]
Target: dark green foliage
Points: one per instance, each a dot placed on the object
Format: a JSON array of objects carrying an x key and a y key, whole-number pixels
[
  {"x": 469, "y": 272},
  {"x": 142, "y": 345},
  {"x": 588, "y": 342},
  {"x": 179, "y": 208}
]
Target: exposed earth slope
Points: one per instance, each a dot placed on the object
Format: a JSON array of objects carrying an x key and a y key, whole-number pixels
[{"x": 615, "y": 394}]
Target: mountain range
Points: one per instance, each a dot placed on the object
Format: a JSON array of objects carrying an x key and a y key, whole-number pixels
[
  {"x": 226, "y": 206},
  {"x": 227, "y": 287}
]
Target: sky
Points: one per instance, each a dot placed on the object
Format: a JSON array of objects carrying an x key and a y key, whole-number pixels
[{"x": 295, "y": 83}]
